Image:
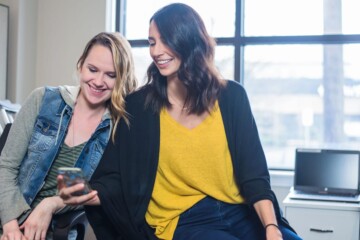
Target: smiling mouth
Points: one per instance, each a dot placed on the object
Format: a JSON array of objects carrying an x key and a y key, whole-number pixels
[
  {"x": 160, "y": 62},
  {"x": 96, "y": 89}
]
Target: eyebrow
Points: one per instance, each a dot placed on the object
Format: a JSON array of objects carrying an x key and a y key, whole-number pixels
[{"x": 92, "y": 65}]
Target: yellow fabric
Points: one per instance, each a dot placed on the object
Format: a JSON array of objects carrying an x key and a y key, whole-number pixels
[{"x": 192, "y": 164}]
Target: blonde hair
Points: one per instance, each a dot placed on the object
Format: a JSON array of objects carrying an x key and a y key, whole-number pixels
[{"x": 125, "y": 82}]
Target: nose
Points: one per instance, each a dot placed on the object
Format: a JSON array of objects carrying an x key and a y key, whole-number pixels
[
  {"x": 156, "y": 50},
  {"x": 99, "y": 79}
]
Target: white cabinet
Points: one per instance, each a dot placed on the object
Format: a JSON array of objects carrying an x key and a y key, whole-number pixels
[{"x": 320, "y": 220}]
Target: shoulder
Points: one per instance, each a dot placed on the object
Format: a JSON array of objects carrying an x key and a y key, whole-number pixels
[
  {"x": 46, "y": 90},
  {"x": 51, "y": 90},
  {"x": 38, "y": 91},
  {"x": 232, "y": 90},
  {"x": 30, "y": 109},
  {"x": 35, "y": 96},
  {"x": 233, "y": 101},
  {"x": 140, "y": 92},
  {"x": 68, "y": 93},
  {"x": 50, "y": 94},
  {"x": 136, "y": 108},
  {"x": 233, "y": 86},
  {"x": 65, "y": 93},
  {"x": 137, "y": 98}
]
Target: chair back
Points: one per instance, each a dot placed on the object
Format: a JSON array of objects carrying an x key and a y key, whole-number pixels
[
  {"x": 4, "y": 135},
  {"x": 4, "y": 119}
]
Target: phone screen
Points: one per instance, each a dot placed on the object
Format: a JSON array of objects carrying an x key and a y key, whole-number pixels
[{"x": 74, "y": 176}]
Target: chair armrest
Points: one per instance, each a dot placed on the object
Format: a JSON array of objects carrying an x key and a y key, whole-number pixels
[{"x": 63, "y": 223}]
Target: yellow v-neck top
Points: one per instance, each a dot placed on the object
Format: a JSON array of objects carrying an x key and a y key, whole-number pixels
[{"x": 193, "y": 163}]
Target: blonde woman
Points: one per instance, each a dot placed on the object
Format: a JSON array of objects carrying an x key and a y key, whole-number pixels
[{"x": 62, "y": 127}]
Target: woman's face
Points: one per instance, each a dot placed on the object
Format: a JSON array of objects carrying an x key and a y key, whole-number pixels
[
  {"x": 97, "y": 76},
  {"x": 164, "y": 58}
]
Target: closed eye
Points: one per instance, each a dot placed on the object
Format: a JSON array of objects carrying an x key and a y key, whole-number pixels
[
  {"x": 92, "y": 69},
  {"x": 151, "y": 42},
  {"x": 111, "y": 75}
]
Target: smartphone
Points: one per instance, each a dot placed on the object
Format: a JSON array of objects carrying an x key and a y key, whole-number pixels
[{"x": 72, "y": 176}]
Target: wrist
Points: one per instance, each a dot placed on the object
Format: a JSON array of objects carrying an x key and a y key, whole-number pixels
[
  {"x": 11, "y": 225},
  {"x": 269, "y": 225},
  {"x": 272, "y": 230},
  {"x": 54, "y": 203}
]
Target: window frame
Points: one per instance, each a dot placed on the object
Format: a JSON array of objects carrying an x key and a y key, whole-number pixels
[{"x": 239, "y": 41}]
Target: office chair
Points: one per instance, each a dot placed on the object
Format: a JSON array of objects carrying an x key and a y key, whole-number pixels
[
  {"x": 65, "y": 222},
  {"x": 4, "y": 135},
  {"x": 4, "y": 119}
]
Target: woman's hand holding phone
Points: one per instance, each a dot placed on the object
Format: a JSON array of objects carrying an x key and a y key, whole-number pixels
[{"x": 73, "y": 189}]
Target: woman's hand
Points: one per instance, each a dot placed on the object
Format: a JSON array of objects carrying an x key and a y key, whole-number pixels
[
  {"x": 37, "y": 224},
  {"x": 11, "y": 231},
  {"x": 66, "y": 194},
  {"x": 273, "y": 233},
  {"x": 265, "y": 211}
]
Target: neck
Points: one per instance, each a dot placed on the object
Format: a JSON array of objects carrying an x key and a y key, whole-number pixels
[
  {"x": 176, "y": 92},
  {"x": 83, "y": 108}
]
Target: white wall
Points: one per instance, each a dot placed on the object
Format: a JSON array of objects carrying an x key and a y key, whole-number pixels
[
  {"x": 64, "y": 28},
  {"x": 26, "y": 49},
  {"x": 46, "y": 38},
  {"x": 3, "y": 49},
  {"x": 12, "y": 51}
]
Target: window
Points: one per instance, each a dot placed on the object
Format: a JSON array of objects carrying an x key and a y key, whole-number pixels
[{"x": 298, "y": 60}]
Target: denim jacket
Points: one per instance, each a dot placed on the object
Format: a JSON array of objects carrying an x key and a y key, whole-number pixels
[
  {"x": 45, "y": 139},
  {"x": 48, "y": 135}
]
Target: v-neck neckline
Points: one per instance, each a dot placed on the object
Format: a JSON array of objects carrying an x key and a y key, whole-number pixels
[{"x": 200, "y": 125}]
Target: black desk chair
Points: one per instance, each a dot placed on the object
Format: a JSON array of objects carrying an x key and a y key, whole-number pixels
[
  {"x": 4, "y": 135},
  {"x": 63, "y": 223}
]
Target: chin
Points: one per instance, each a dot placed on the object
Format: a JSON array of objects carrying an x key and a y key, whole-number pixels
[
  {"x": 97, "y": 101},
  {"x": 168, "y": 74}
]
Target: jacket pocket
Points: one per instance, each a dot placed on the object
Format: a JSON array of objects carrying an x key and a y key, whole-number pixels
[{"x": 43, "y": 136}]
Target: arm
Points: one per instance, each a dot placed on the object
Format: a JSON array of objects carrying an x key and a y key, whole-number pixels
[
  {"x": 97, "y": 214},
  {"x": 249, "y": 161},
  {"x": 250, "y": 167},
  {"x": 35, "y": 229},
  {"x": 125, "y": 175},
  {"x": 12, "y": 203},
  {"x": 266, "y": 213}
]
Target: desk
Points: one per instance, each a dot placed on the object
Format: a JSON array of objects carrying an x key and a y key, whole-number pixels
[{"x": 320, "y": 220}]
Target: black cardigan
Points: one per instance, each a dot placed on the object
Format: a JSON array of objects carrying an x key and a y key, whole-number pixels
[{"x": 126, "y": 174}]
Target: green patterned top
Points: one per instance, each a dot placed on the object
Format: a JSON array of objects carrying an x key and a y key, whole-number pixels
[{"x": 66, "y": 158}]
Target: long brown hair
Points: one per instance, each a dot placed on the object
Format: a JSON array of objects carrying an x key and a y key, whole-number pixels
[{"x": 183, "y": 31}]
